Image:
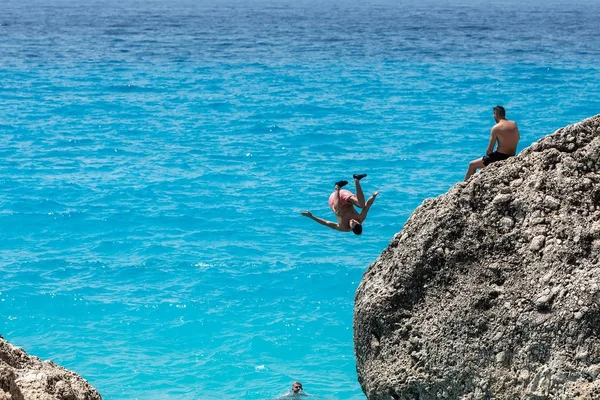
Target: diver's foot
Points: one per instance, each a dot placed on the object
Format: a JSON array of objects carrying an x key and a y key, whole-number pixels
[
  {"x": 341, "y": 184},
  {"x": 375, "y": 194},
  {"x": 358, "y": 177}
]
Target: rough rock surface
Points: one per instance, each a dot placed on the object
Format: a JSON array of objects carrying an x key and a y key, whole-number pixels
[
  {"x": 492, "y": 290},
  {"x": 23, "y": 377}
]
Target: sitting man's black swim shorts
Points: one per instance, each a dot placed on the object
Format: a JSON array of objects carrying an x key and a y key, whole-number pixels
[{"x": 495, "y": 156}]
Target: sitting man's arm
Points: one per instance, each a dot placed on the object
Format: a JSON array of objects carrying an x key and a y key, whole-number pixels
[
  {"x": 329, "y": 224},
  {"x": 493, "y": 140}
]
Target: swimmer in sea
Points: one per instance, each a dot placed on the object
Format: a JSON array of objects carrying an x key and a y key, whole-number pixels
[
  {"x": 342, "y": 203},
  {"x": 507, "y": 135},
  {"x": 297, "y": 391}
]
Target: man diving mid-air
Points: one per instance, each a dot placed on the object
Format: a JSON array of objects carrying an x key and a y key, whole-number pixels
[{"x": 342, "y": 203}]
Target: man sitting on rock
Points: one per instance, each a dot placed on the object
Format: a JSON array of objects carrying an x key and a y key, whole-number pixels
[
  {"x": 342, "y": 203},
  {"x": 507, "y": 135}
]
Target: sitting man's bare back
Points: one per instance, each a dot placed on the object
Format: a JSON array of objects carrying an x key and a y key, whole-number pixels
[
  {"x": 342, "y": 203},
  {"x": 506, "y": 133}
]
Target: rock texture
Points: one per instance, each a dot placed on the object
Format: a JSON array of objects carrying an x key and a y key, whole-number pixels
[
  {"x": 23, "y": 377},
  {"x": 492, "y": 291}
]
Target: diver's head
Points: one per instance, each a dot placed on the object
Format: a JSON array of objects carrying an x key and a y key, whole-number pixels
[{"x": 355, "y": 226}]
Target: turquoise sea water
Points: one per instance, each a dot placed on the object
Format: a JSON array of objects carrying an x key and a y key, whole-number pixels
[{"x": 155, "y": 157}]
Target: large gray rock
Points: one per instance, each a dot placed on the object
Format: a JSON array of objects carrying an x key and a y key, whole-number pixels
[
  {"x": 492, "y": 290},
  {"x": 23, "y": 377}
]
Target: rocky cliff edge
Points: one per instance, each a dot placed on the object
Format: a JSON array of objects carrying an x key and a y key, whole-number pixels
[
  {"x": 492, "y": 290},
  {"x": 24, "y": 377}
]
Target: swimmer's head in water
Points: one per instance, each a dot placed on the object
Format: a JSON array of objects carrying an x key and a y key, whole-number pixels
[
  {"x": 296, "y": 387},
  {"x": 357, "y": 228}
]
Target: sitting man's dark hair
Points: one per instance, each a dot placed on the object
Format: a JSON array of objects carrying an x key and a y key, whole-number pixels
[
  {"x": 357, "y": 229},
  {"x": 500, "y": 111}
]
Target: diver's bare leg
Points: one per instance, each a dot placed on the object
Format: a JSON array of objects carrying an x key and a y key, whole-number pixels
[{"x": 360, "y": 197}]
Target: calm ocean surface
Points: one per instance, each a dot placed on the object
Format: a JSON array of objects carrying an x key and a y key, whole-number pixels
[{"x": 155, "y": 157}]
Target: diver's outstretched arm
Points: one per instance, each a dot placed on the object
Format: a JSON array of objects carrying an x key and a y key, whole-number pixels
[{"x": 329, "y": 224}]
